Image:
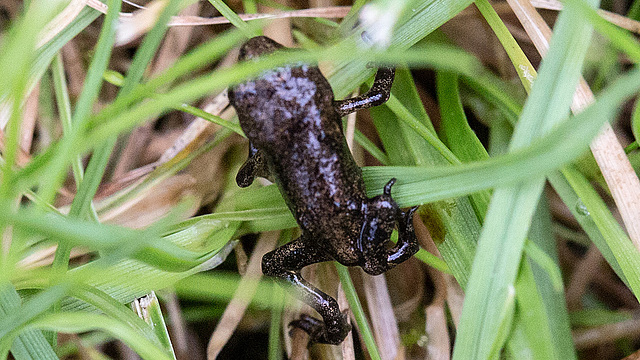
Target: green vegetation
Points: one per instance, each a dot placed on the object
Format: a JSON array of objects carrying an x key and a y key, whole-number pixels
[{"x": 484, "y": 205}]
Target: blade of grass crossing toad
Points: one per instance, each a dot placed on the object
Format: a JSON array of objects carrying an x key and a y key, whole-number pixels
[
  {"x": 30, "y": 344},
  {"x": 118, "y": 117},
  {"x": 564, "y": 143},
  {"x": 500, "y": 247},
  {"x": 114, "y": 119}
]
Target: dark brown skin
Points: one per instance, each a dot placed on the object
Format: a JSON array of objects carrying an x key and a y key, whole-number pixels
[{"x": 295, "y": 131}]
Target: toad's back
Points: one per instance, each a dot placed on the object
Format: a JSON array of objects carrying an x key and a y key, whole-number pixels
[{"x": 288, "y": 114}]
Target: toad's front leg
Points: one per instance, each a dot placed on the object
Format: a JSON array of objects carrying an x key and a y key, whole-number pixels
[
  {"x": 407, "y": 243},
  {"x": 383, "y": 214},
  {"x": 285, "y": 263}
]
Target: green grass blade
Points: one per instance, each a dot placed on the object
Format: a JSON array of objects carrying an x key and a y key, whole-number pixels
[
  {"x": 149, "y": 310},
  {"x": 84, "y": 104},
  {"x": 234, "y": 18},
  {"x": 497, "y": 94},
  {"x": 370, "y": 147},
  {"x": 81, "y": 204},
  {"x": 114, "y": 242},
  {"x": 453, "y": 223},
  {"x": 458, "y": 135},
  {"x": 635, "y": 122},
  {"x": 561, "y": 145},
  {"x": 541, "y": 327},
  {"x": 275, "y": 349},
  {"x": 549, "y": 288},
  {"x": 64, "y": 110},
  {"x": 531, "y": 333},
  {"x": 30, "y": 344},
  {"x": 358, "y": 311},
  {"x": 14, "y": 322},
  {"x": 46, "y": 53},
  {"x": 74, "y": 322},
  {"x": 129, "y": 279},
  {"x": 220, "y": 287},
  {"x": 212, "y": 118},
  {"x": 619, "y": 38},
  {"x": 426, "y": 16},
  {"x": 509, "y": 216},
  {"x": 521, "y": 63},
  {"x": 112, "y": 308},
  {"x": 591, "y": 208},
  {"x": 17, "y": 53},
  {"x": 425, "y": 132}
]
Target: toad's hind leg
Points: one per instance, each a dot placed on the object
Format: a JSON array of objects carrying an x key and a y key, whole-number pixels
[
  {"x": 285, "y": 263},
  {"x": 255, "y": 165}
]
